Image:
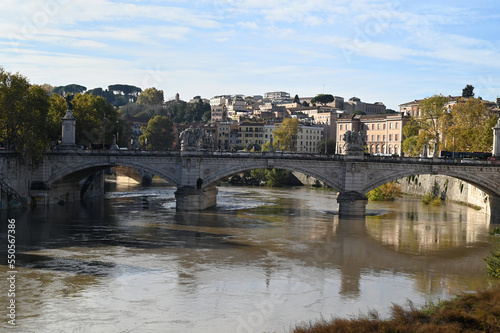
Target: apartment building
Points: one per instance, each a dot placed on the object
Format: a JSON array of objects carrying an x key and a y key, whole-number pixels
[
  {"x": 227, "y": 135},
  {"x": 384, "y": 132},
  {"x": 219, "y": 113},
  {"x": 277, "y": 96},
  {"x": 308, "y": 137},
  {"x": 251, "y": 133}
]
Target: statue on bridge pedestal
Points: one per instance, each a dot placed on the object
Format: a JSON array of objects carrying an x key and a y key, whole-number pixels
[
  {"x": 193, "y": 139},
  {"x": 354, "y": 143}
]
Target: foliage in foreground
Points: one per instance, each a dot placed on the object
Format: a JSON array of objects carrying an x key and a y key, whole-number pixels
[
  {"x": 478, "y": 312},
  {"x": 493, "y": 263},
  {"x": 386, "y": 192}
]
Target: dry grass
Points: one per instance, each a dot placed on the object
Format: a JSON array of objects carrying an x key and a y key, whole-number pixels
[{"x": 477, "y": 312}]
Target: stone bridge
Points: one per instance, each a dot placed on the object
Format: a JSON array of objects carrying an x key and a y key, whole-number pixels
[{"x": 196, "y": 174}]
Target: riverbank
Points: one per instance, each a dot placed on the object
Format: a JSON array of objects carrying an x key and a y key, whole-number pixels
[{"x": 469, "y": 312}]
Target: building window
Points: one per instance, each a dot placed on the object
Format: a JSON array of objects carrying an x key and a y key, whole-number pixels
[
  {"x": 383, "y": 126},
  {"x": 378, "y": 139},
  {"x": 390, "y": 125},
  {"x": 390, "y": 137},
  {"x": 383, "y": 137},
  {"x": 341, "y": 127},
  {"x": 396, "y": 125},
  {"x": 395, "y": 137},
  {"x": 373, "y": 137},
  {"x": 378, "y": 126}
]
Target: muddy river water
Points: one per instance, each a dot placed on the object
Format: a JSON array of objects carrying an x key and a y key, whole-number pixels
[{"x": 262, "y": 261}]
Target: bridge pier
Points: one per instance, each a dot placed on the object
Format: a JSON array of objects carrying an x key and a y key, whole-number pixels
[
  {"x": 494, "y": 208},
  {"x": 193, "y": 199},
  {"x": 352, "y": 204}
]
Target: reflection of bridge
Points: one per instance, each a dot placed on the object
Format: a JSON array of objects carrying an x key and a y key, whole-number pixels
[{"x": 196, "y": 174}]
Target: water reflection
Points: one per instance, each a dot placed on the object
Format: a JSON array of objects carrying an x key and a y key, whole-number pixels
[{"x": 263, "y": 260}]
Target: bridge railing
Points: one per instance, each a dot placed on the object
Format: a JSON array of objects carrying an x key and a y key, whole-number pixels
[{"x": 276, "y": 154}]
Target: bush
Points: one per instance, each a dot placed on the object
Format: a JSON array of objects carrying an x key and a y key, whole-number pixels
[
  {"x": 495, "y": 231},
  {"x": 386, "y": 192},
  {"x": 493, "y": 262}
]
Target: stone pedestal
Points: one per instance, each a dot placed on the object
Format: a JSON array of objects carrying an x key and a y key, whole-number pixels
[
  {"x": 193, "y": 199},
  {"x": 68, "y": 131},
  {"x": 352, "y": 204},
  {"x": 496, "y": 139}
]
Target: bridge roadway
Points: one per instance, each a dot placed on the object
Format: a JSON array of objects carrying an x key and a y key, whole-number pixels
[{"x": 196, "y": 174}]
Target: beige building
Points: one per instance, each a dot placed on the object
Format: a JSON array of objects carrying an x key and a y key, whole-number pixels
[
  {"x": 219, "y": 113},
  {"x": 384, "y": 132},
  {"x": 250, "y": 133}
]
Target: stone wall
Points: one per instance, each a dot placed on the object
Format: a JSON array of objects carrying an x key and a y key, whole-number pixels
[{"x": 447, "y": 188}]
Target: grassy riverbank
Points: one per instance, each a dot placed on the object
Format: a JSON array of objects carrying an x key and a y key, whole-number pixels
[{"x": 471, "y": 312}]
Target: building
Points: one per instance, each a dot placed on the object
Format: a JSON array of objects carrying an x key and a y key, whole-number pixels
[
  {"x": 355, "y": 104},
  {"x": 227, "y": 136},
  {"x": 384, "y": 132},
  {"x": 251, "y": 134},
  {"x": 308, "y": 137},
  {"x": 219, "y": 113},
  {"x": 277, "y": 96},
  {"x": 219, "y": 100}
]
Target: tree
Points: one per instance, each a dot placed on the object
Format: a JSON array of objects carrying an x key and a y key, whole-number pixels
[
  {"x": 323, "y": 99},
  {"x": 23, "y": 117},
  {"x": 427, "y": 128},
  {"x": 158, "y": 135},
  {"x": 96, "y": 120},
  {"x": 150, "y": 96},
  {"x": 469, "y": 127},
  {"x": 468, "y": 91},
  {"x": 296, "y": 99},
  {"x": 57, "y": 110},
  {"x": 286, "y": 133},
  {"x": 69, "y": 89},
  {"x": 130, "y": 92},
  {"x": 111, "y": 98},
  {"x": 330, "y": 146}
]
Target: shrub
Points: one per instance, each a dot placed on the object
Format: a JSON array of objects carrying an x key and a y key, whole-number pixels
[
  {"x": 493, "y": 262},
  {"x": 386, "y": 192}
]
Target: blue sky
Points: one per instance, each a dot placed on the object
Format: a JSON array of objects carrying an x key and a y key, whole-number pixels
[{"x": 380, "y": 51}]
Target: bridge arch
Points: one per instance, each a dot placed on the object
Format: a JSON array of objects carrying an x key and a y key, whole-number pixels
[
  {"x": 79, "y": 171},
  {"x": 483, "y": 183},
  {"x": 329, "y": 178}
]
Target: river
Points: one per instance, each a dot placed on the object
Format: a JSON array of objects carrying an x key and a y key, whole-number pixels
[{"x": 262, "y": 261}]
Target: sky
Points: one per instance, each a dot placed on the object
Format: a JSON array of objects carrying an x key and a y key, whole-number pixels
[{"x": 379, "y": 51}]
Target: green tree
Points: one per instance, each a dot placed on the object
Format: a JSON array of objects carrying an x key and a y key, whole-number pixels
[
  {"x": 23, "y": 117},
  {"x": 286, "y": 133},
  {"x": 296, "y": 99},
  {"x": 277, "y": 177},
  {"x": 330, "y": 146},
  {"x": 323, "y": 99},
  {"x": 469, "y": 126},
  {"x": 468, "y": 91},
  {"x": 427, "y": 128},
  {"x": 69, "y": 89},
  {"x": 158, "y": 135},
  {"x": 150, "y": 96},
  {"x": 130, "y": 92},
  {"x": 96, "y": 120},
  {"x": 57, "y": 110}
]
